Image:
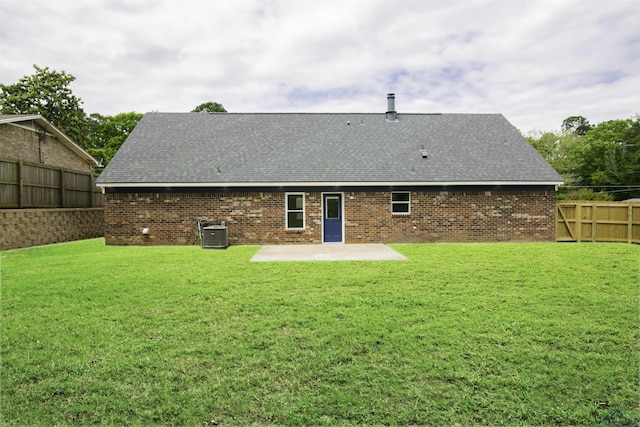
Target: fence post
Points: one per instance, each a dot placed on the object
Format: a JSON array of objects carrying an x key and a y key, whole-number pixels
[
  {"x": 630, "y": 223},
  {"x": 579, "y": 222},
  {"x": 92, "y": 184},
  {"x": 20, "y": 185},
  {"x": 594, "y": 209},
  {"x": 61, "y": 187}
]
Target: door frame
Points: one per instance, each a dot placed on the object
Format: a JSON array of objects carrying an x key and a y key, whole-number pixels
[{"x": 323, "y": 207}]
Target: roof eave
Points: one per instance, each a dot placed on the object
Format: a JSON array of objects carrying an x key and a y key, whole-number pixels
[{"x": 324, "y": 184}]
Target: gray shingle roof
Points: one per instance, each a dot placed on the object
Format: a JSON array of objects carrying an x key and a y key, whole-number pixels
[{"x": 260, "y": 149}]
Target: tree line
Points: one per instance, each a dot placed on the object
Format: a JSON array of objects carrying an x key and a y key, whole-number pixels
[
  {"x": 596, "y": 161},
  {"x": 47, "y": 92}
]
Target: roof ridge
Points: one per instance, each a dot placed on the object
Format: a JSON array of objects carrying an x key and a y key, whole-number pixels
[{"x": 266, "y": 113}]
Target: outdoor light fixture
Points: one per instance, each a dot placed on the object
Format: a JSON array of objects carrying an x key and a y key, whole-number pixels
[{"x": 145, "y": 231}]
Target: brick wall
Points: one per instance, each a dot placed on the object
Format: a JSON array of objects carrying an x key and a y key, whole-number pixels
[
  {"x": 23, "y": 228},
  {"x": 259, "y": 218},
  {"x": 251, "y": 218},
  {"x": 20, "y": 143},
  {"x": 452, "y": 217}
]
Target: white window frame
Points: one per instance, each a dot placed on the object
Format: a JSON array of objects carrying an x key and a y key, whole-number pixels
[
  {"x": 402, "y": 202},
  {"x": 287, "y": 211}
]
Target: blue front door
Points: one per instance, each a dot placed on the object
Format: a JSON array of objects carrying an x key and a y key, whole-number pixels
[{"x": 332, "y": 217}]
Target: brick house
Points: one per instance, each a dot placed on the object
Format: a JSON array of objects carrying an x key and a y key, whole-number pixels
[
  {"x": 46, "y": 185},
  {"x": 317, "y": 178},
  {"x": 32, "y": 138}
]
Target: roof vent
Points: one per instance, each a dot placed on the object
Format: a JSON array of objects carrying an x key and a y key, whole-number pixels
[
  {"x": 392, "y": 116},
  {"x": 423, "y": 152}
]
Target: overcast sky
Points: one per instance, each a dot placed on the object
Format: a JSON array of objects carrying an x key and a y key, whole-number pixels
[{"x": 535, "y": 61}]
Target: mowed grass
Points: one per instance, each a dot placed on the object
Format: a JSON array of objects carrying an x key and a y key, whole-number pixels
[{"x": 516, "y": 334}]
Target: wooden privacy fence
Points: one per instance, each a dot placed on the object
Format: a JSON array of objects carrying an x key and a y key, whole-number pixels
[
  {"x": 598, "y": 222},
  {"x": 32, "y": 185}
]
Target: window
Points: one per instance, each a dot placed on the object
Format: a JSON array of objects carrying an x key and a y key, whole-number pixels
[
  {"x": 332, "y": 207},
  {"x": 295, "y": 211},
  {"x": 400, "y": 203}
]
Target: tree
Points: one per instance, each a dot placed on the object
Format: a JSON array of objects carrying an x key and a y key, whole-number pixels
[
  {"x": 551, "y": 147},
  {"x": 569, "y": 193},
  {"x": 109, "y": 132},
  {"x": 557, "y": 150},
  {"x": 576, "y": 124},
  {"x": 210, "y": 107},
  {"x": 598, "y": 154},
  {"x": 628, "y": 170},
  {"x": 606, "y": 157},
  {"x": 47, "y": 93}
]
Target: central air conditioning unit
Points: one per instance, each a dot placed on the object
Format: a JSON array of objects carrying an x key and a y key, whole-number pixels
[{"x": 214, "y": 237}]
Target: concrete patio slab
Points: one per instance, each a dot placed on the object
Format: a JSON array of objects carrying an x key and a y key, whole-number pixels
[{"x": 327, "y": 252}]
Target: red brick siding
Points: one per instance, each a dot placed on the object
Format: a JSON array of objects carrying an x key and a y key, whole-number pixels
[
  {"x": 251, "y": 218},
  {"x": 452, "y": 217},
  {"x": 259, "y": 217}
]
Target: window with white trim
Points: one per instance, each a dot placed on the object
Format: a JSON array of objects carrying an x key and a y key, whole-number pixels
[
  {"x": 294, "y": 211},
  {"x": 400, "y": 202}
]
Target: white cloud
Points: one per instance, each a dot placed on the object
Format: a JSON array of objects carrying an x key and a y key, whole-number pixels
[{"x": 535, "y": 61}]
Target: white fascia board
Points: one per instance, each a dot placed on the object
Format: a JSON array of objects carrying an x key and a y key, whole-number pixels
[
  {"x": 16, "y": 118},
  {"x": 320, "y": 184}
]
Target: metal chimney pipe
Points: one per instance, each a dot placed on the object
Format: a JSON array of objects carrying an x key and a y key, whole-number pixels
[{"x": 391, "y": 108}]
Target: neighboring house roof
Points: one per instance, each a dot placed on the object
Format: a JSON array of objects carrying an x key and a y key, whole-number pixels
[
  {"x": 306, "y": 149},
  {"x": 44, "y": 123}
]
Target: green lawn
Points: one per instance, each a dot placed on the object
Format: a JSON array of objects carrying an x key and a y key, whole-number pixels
[{"x": 517, "y": 334}]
